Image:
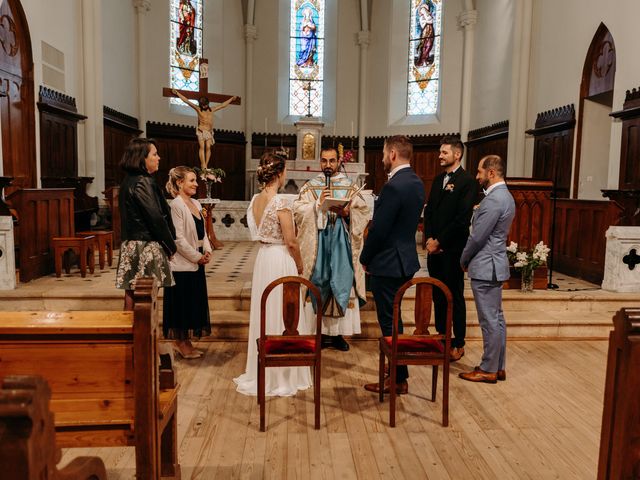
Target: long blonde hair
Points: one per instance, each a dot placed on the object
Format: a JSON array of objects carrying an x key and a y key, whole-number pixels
[{"x": 177, "y": 174}]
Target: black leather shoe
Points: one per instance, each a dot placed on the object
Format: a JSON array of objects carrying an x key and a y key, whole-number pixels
[
  {"x": 327, "y": 341},
  {"x": 339, "y": 343}
]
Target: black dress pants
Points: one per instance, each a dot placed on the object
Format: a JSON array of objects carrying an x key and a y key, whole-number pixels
[
  {"x": 446, "y": 268},
  {"x": 384, "y": 290}
]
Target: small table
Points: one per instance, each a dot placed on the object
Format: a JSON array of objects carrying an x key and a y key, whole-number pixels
[{"x": 208, "y": 205}]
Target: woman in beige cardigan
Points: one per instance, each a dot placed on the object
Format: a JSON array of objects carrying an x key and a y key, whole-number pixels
[{"x": 186, "y": 305}]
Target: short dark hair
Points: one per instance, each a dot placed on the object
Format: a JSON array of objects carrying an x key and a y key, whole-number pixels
[
  {"x": 132, "y": 160},
  {"x": 401, "y": 144},
  {"x": 327, "y": 149},
  {"x": 455, "y": 143},
  {"x": 493, "y": 162}
]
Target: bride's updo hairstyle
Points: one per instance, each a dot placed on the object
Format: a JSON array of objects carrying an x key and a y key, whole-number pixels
[
  {"x": 177, "y": 174},
  {"x": 271, "y": 166}
]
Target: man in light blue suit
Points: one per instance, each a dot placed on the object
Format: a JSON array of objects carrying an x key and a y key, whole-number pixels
[{"x": 485, "y": 259}]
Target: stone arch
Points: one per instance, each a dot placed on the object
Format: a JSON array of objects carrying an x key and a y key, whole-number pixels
[{"x": 17, "y": 105}]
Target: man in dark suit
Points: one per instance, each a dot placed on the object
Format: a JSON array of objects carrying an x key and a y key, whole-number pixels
[
  {"x": 446, "y": 227},
  {"x": 389, "y": 254}
]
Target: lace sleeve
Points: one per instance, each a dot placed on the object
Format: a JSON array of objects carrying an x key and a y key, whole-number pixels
[{"x": 282, "y": 203}]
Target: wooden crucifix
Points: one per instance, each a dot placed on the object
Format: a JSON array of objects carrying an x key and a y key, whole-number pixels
[{"x": 205, "y": 113}]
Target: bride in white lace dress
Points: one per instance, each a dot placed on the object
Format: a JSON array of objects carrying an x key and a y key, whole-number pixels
[{"x": 270, "y": 221}]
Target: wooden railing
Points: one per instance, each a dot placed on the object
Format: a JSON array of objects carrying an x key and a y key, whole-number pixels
[
  {"x": 42, "y": 214},
  {"x": 580, "y": 244},
  {"x": 620, "y": 434}
]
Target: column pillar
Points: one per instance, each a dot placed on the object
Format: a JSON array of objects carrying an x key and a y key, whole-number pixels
[
  {"x": 250, "y": 35},
  {"x": 141, "y": 7},
  {"x": 93, "y": 95},
  {"x": 519, "y": 89},
  {"x": 467, "y": 21},
  {"x": 364, "y": 38}
]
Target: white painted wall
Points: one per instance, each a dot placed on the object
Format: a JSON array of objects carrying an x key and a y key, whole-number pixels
[
  {"x": 223, "y": 47},
  {"x": 118, "y": 54},
  {"x": 561, "y": 37},
  {"x": 492, "y": 62},
  {"x": 594, "y": 160}
]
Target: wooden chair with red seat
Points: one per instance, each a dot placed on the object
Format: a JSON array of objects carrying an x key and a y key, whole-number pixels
[
  {"x": 421, "y": 348},
  {"x": 289, "y": 349}
]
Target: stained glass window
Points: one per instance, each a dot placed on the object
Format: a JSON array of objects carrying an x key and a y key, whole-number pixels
[
  {"x": 185, "y": 46},
  {"x": 306, "y": 57},
  {"x": 423, "y": 84}
]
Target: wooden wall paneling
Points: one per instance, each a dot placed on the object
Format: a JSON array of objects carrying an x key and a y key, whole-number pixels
[
  {"x": 17, "y": 106},
  {"x": 42, "y": 214},
  {"x": 178, "y": 146},
  {"x": 111, "y": 197},
  {"x": 119, "y": 129},
  {"x": 553, "y": 147},
  {"x": 580, "y": 243},
  {"x": 490, "y": 140},
  {"x": 59, "y": 119},
  {"x": 532, "y": 222}
]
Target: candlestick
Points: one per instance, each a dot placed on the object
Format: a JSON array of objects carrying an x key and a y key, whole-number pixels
[{"x": 352, "y": 128}]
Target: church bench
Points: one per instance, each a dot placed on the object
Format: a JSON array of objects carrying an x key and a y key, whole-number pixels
[
  {"x": 28, "y": 450},
  {"x": 103, "y": 370}
]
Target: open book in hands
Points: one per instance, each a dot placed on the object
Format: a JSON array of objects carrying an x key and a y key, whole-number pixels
[{"x": 330, "y": 202}]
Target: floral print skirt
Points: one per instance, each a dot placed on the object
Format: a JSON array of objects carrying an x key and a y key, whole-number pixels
[{"x": 139, "y": 258}]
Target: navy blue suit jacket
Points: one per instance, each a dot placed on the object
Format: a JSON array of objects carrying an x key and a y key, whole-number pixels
[{"x": 390, "y": 247}]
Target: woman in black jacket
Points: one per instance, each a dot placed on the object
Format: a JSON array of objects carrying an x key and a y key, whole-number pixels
[{"x": 148, "y": 234}]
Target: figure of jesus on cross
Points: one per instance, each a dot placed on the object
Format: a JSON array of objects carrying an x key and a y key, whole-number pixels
[{"x": 204, "y": 131}]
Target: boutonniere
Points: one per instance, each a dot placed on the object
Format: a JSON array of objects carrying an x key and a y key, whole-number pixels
[{"x": 449, "y": 187}]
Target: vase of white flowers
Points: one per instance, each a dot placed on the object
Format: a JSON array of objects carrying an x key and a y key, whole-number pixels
[
  {"x": 210, "y": 176},
  {"x": 526, "y": 261}
]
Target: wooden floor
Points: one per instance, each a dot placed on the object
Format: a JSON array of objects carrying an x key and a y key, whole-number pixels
[{"x": 543, "y": 422}]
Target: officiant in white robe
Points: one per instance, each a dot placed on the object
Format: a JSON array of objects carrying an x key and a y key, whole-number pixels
[{"x": 331, "y": 241}]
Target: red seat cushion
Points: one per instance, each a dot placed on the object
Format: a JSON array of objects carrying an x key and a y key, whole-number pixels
[
  {"x": 415, "y": 343},
  {"x": 279, "y": 345}
]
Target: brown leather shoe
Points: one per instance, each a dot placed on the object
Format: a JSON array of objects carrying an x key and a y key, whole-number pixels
[
  {"x": 402, "y": 388},
  {"x": 479, "y": 376},
  {"x": 501, "y": 375},
  {"x": 456, "y": 354}
]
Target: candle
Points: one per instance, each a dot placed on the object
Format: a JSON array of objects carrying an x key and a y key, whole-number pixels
[
  {"x": 265, "y": 124},
  {"x": 334, "y": 129},
  {"x": 280, "y": 128},
  {"x": 352, "y": 128}
]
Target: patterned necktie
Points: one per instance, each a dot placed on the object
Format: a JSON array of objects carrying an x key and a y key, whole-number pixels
[{"x": 445, "y": 180}]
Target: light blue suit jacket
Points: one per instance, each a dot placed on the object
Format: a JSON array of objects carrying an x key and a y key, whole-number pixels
[{"x": 485, "y": 254}]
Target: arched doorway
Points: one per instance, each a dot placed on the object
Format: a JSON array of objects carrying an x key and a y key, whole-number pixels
[
  {"x": 17, "y": 107},
  {"x": 594, "y": 123}
]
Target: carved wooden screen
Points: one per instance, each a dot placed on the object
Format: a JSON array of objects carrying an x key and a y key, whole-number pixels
[
  {"x": 58, "y": 134},
  {"x": 553, "y": 147},
  {"x": 491, "y": 140},
  {"x": 119, "y": 129},
  {"x": 630, "y": 149},
  {"x": 16, "y": 97},
  {"x": 177, "y": 145}
]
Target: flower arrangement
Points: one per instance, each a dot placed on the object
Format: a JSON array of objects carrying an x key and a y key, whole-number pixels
[
  {"x": 346, "y": 156},
  {"x": 526, "y": 261},
  {"x": 210, "y": 174}
]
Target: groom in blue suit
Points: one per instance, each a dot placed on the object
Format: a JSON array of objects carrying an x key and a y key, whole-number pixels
[
  {"x": 485, "y": 259},
  {"x": 389, "y": 254}
]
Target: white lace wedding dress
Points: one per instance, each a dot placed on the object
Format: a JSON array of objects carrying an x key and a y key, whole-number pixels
[{"x": 273, "y": 261}]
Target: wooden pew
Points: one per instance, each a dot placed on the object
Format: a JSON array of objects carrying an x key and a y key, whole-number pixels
[
  {"x": 103, "y": 370},
  {"x": 620, "y": 434},
  {"x": 28, "y": 449}
]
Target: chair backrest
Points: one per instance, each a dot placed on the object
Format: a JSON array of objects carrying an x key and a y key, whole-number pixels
[
  {"x": 290, "y": 304},
  {"x": 423, "y": 303}
]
